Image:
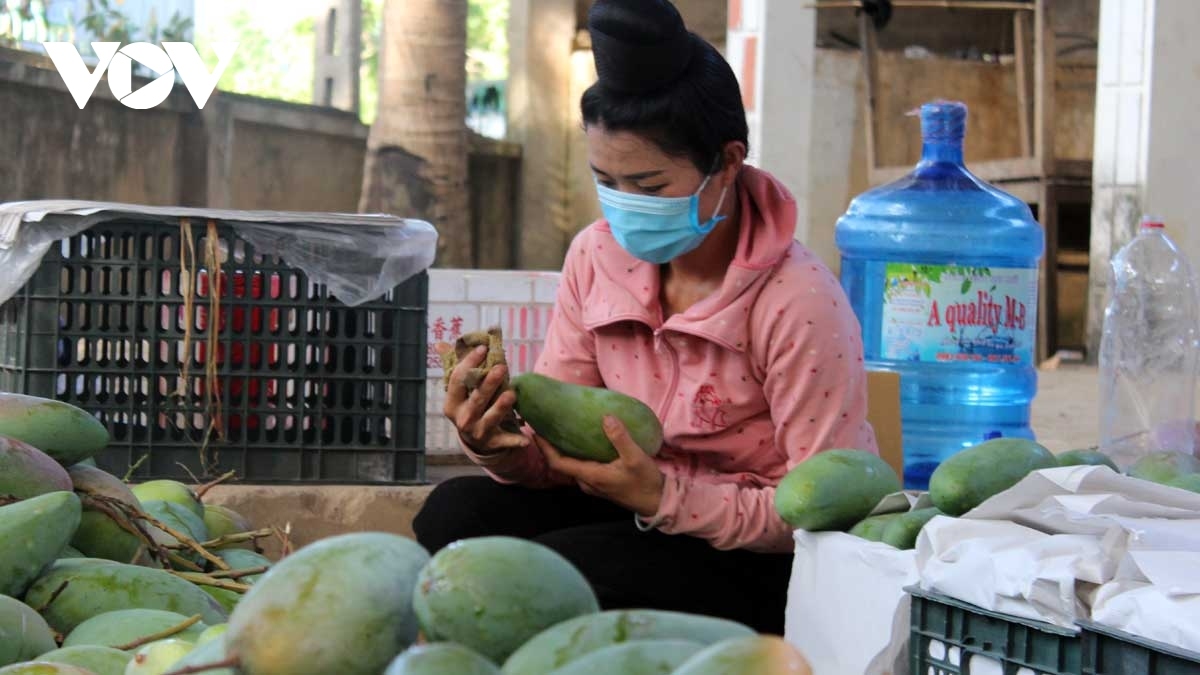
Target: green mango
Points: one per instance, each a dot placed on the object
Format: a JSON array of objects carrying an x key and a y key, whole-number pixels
[
  {"x": 565, "y": 642},
  {"x": 1088, "y": 457},
  {"x": 747, "y": 656},
  {"x": 124, "y": 626},
  {"x": 1164, "y": 467},
  {"x": 100, "y": 660},
  {"x": 24, "y": 634},
  {"x": 226, "y": 598},
  {"x": 571, "y": 416},
  {"x": 1189, "y": 481},
  {"x": 492, "y": 594},
  {"x": 158, "y": 657},
  {"x": 212, "y": 633},
  {"x": 28, "y": 472},
  {"x": 96, "y": 588},
  {"x": 240, "y": 559},
  {"x": 871, "y": 528},
  {"x": 71, "y": 552},
  {"x": 903, "y": 531},
  {"x": 971, "y": 477},
  {"x": 178, "y": 518},
  {"x": 99, "y": 536},
  {"x": 60, "y": 430},
  {"x": 222, "y": 521},
  {"x": 441, "y": 658},
  {"x": 33, "y": 533},
  {"x": 834, "y": 489},
  {"x": 340, "y": 605},
  {"x": 640, "y": 657},
  {"x": 213, "y": 651},
  {"x": 44, "y": 668},
  {"x": 170, "y": 491}
]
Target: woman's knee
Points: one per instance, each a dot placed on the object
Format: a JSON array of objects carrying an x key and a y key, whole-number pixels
[{"x": 450, "y": 512}]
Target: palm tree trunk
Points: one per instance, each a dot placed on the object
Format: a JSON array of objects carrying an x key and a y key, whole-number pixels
[{"x": 416, "y": 163}]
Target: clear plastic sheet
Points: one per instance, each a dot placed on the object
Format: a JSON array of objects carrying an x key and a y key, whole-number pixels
[{"x": 359, "y": 257}]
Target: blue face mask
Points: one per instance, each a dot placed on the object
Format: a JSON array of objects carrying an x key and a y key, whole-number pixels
[{"x": 657, "y": 229}]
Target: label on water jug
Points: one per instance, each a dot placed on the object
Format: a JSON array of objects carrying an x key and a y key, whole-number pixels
[{"x": 947, "y": 313}]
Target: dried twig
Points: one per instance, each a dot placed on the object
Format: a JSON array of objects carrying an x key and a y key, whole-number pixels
[
  {"x": 126, "y": 517},
  {"x": 161, "y": 635},
  {"x": 285, "y": 539},
  {"x": 134, "y": 467},
  {"x": 207, "y": 580},
  {"x": 238, "y": 574},
  {"x": 236, "y": 538},
  {"x": 203, "y": 489},
  {"x": 186, "y": 540},
  {"x": 53, "y": 596},
  {"x": 188, "y": 471},
  {"x": 5, "y": 500},
  {"x": 231, "y": 662}
]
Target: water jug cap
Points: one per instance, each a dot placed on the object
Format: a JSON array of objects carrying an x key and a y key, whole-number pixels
[
  {"x": 1152, "y": 223},
  {"x": 943, "y": 121}
]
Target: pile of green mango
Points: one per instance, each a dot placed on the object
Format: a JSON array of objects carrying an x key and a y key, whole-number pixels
[
  {"x": 838, "y": 490},
  {"x": 82, "y": 593}
]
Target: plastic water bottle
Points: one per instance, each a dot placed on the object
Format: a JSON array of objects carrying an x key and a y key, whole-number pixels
[
  {"x": 942, "y": 271},
  {"x": 1149, "y": 352}
]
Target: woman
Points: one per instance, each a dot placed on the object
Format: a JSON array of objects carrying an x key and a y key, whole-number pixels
[{"x": 691, "y": 296}]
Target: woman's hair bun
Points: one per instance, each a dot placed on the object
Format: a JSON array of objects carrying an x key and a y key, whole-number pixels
[{"x": 640, "y": 46}]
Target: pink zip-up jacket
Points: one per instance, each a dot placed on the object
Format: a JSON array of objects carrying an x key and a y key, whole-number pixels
[{"x": 748, "y": 382}]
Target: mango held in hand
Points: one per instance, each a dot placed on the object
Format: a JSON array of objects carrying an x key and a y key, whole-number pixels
[
  {"x": 973, "y": 476},
  {"x": 341, "y": 605},
  {"x": 493, "y": 594},
  {"x": 835, "y": 489},
  {"x": 571, "y": 417},
  {"x": 24, "y": 634},
  {"x": 33, "y": 533},
  {"x": 60, "y": 430}
]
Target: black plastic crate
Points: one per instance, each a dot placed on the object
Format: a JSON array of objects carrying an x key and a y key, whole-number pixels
[
  {"x": 1107, "y": 651},
  {"x": 310, "y": 390},
  {"x": 947, "y": 634}
]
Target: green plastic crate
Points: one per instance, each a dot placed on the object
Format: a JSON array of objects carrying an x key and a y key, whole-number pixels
[
  {"x": 311, "y": 390},
  {"x": 1107, "y": 651},
  {"x": 949, "y": 637}
]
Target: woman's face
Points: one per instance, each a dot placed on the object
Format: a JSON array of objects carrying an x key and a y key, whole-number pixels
[{"x": 627, "y": 162}]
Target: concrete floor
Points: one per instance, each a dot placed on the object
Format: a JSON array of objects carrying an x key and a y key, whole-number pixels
[{"x": 1066, "y": 412}]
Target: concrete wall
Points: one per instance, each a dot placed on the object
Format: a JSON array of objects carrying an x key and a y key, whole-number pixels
[{"x": 239, "y": 152}]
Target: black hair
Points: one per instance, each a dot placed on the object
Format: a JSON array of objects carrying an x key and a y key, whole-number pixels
[{"x": 662, "y": 82}]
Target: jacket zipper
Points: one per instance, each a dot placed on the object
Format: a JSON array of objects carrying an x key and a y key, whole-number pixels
[{"x": 673, "y": 356}]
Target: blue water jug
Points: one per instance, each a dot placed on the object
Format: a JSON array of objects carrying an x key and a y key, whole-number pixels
[{"x": 942, "y": 271}]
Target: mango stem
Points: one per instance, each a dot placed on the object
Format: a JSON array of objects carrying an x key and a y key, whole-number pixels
[{"x": 161, "y": 635}]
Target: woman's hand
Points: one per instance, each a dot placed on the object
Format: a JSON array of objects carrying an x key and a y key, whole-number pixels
[
  {"x": 475, "y": 415},
  {"x": 632, "y": 480}
]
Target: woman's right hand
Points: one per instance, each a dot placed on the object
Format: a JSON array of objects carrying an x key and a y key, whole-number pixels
[{"x": 476, "y": 416}]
